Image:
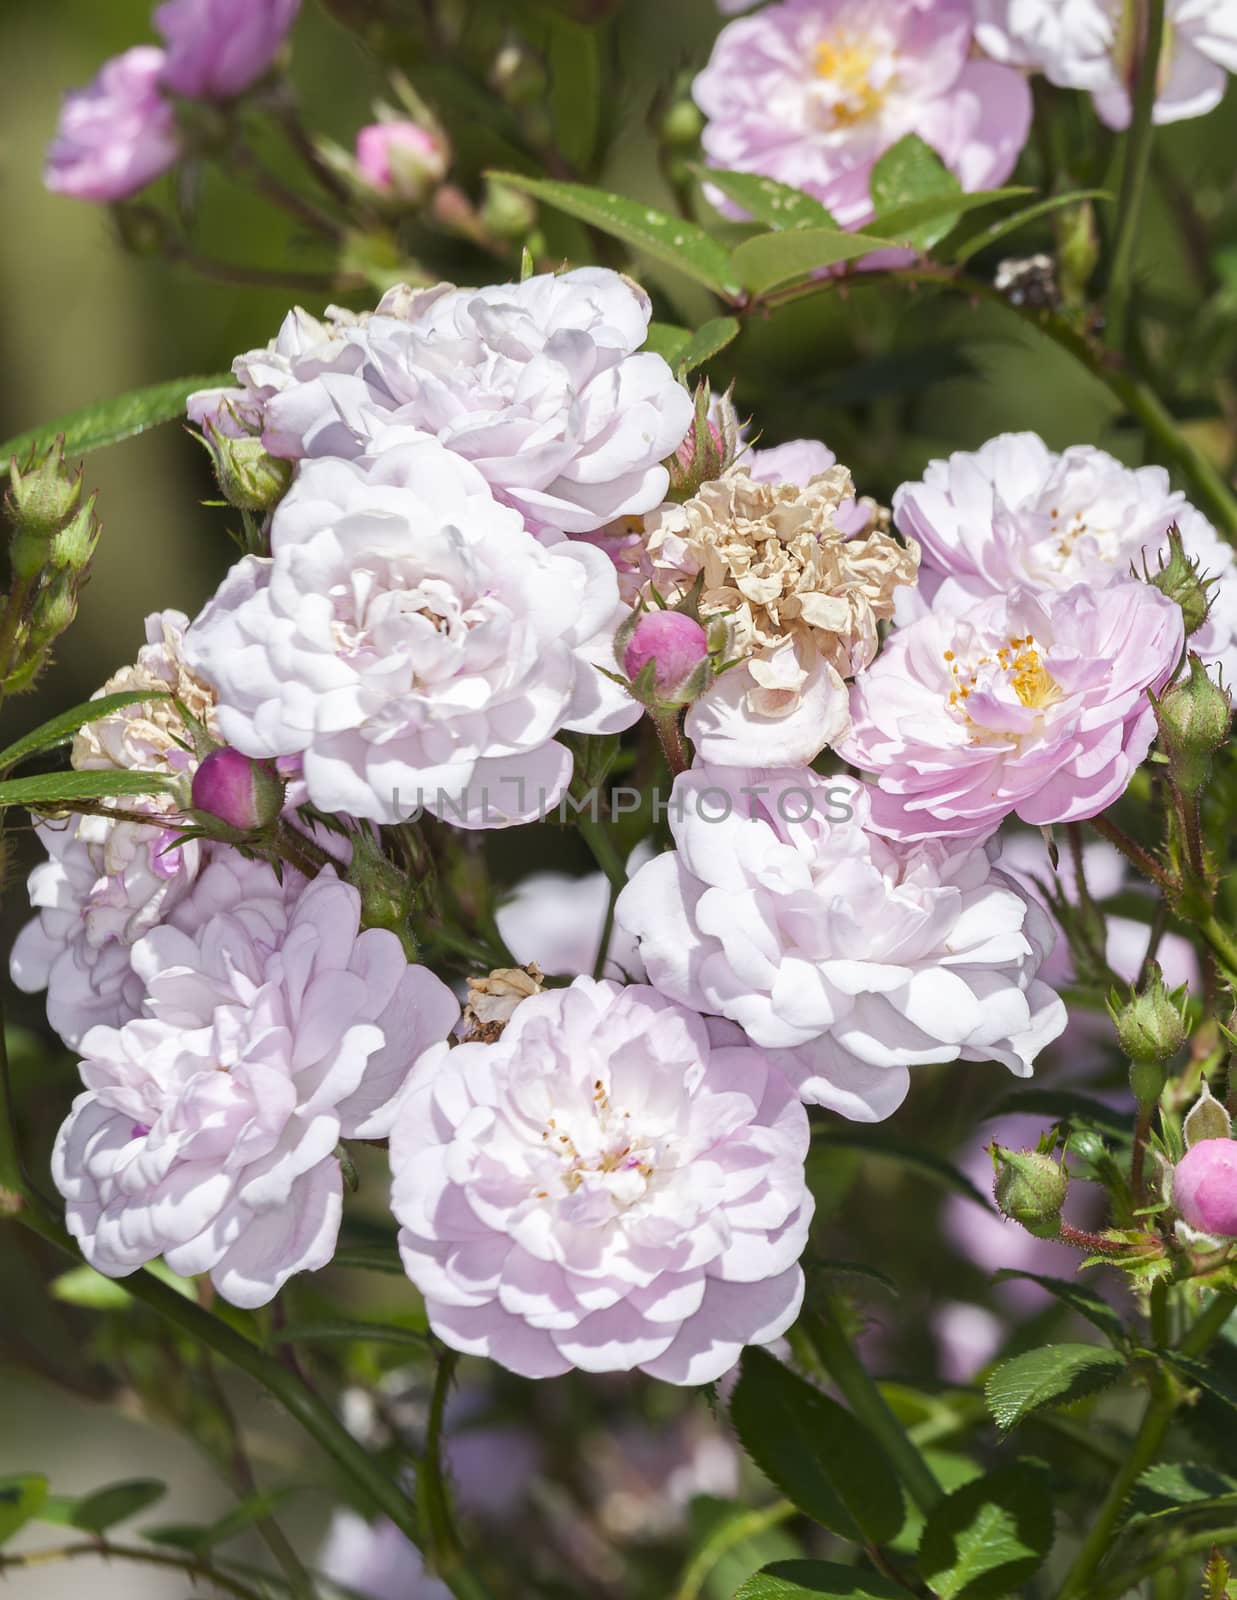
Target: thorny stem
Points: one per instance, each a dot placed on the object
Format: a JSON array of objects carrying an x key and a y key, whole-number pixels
[
  {"x": 1144, "y": 82},
  {"x": 670, "y": 737},
  {"x": 1133, "y": 851},
  {"x": 1138, "y": 1160},
  {"x": 301, "y": 142},
  {"x": 102, "y": 1550}
]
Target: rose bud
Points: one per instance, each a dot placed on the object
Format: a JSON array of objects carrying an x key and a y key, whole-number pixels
[
  {"x": 666, "y": 656},
  {"x": 401, "y": 160},
  {"x": 1204, "y": 1188},
  {"x": 1151, "y": 1030},
  {"x": 1194, "y": 716},
  {"x": 1179, "y": 578},
  {"x": 1030, "y": 1189},
  {"x": 244, "y": 793}
]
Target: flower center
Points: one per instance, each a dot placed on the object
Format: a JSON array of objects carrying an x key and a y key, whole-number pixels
[
  {"x": 1017, "y": 665},
  {"x": 846, "y": 64},
  {"x": 602, "y": 1153}
]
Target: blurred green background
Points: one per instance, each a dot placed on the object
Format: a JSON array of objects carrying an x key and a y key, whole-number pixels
[{"x": 888, "y": 377}]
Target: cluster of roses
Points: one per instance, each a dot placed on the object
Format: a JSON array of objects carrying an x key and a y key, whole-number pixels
[{"x": 497, "y": 501}]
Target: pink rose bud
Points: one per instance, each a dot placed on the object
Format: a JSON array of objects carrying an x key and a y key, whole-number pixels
[
  {"x": 218, "y": 48},
  {"x": 674, "y": 642},
  {"x": 115, "y": 136},
  {"x": 401, "y": 159},
  {"x": 245, "y": 794},
  {"x": 1205, "y": 1187}
]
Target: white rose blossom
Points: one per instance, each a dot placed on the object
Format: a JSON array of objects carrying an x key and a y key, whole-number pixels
[
  {"x": 541, "y": 384},
  {"x": 413, "y": 643},
  {"x": 271, "y": 1027},
  {"x": 852, "y": 957}
]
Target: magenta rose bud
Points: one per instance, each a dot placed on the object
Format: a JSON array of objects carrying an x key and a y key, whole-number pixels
[
  {"x": 1205, "y": 1187},
  {"x": 674, "y": 642},
  {"x": 216, "y": 49},
  {"x": 401, "y": 159},
  {"x": 116, "y": 135},
  {"x": 244, "y": 793}
]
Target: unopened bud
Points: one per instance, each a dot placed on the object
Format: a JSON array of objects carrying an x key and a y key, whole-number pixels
[
  {"x": 673, "y": 645},
  {"x": 54, "y": 610},
  {"x": 1178, "y": 577},
  {"x": 244, "y": 793},
  {"x": 249, "y": 477},
  {"x": 681, "y": 126},
  {"x": 1030, "y": 1189},
  {"x": 1151, "y": 1030},
  {"x": 73, "y": 548},
  {"x": 710, "y": 446},
  {"x": 1206, "y": 1119},
  {"x": 387, "y": 892},
  {"x": 42, "y": 496},
  {"x": 453, "y": 211},
  {"x": 1194, "y": 717},
  {"x": 507, "y": 213},
  {"x": 1204, "y": 1188},
  {"x": 402, "y": 160}
]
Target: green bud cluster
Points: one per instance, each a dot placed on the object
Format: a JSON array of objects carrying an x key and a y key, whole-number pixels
[{"x": 51, "y": 545}]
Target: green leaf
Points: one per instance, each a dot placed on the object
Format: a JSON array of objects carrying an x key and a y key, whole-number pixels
[
  {"x": 374, "y": 1332},
  {"x": 666, "y": 341},
  {"x": 110, "y": 421},
  {"x": 986, "y": 1539},
  {"x": 62, "y": 788},
  {"x": 83, "y": 1286},
  {"x": 923, "y": 1163},
  {"x": 1175, "y": 1487},
  {"x": 1011, "y": 224},
  {"x": 772, "y": 259},
  {"x": 62, "y": 728},
  {"x": 951, "y": 1471},
  {"x": 728, "y": 1541},
  {"x": 815, "y": 1451},
  {"x": 775, "y": 204},
  {"x": 914, "y": 221},
  {"x": 1054, "y": 1375},
  {"x": 1084, "y": 1301},
  {"x": 680, "y": 244},
  {"x": 817, "y": 1580},
  {"x": 1202, "y": 1376},
  {"x": 707, "y": 341},
  {"x": 21, "y": 1499},
  {"x": 574, "y": 60},
  {"x": 831, "y": 1267},
  {"x": 910, "y": 173},
  {"x": 104, "y": 1508},
  {"x": 369, "y": 1258}
]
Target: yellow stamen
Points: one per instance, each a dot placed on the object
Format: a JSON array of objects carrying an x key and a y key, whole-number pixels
[{"x": 848, "y": 67}]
